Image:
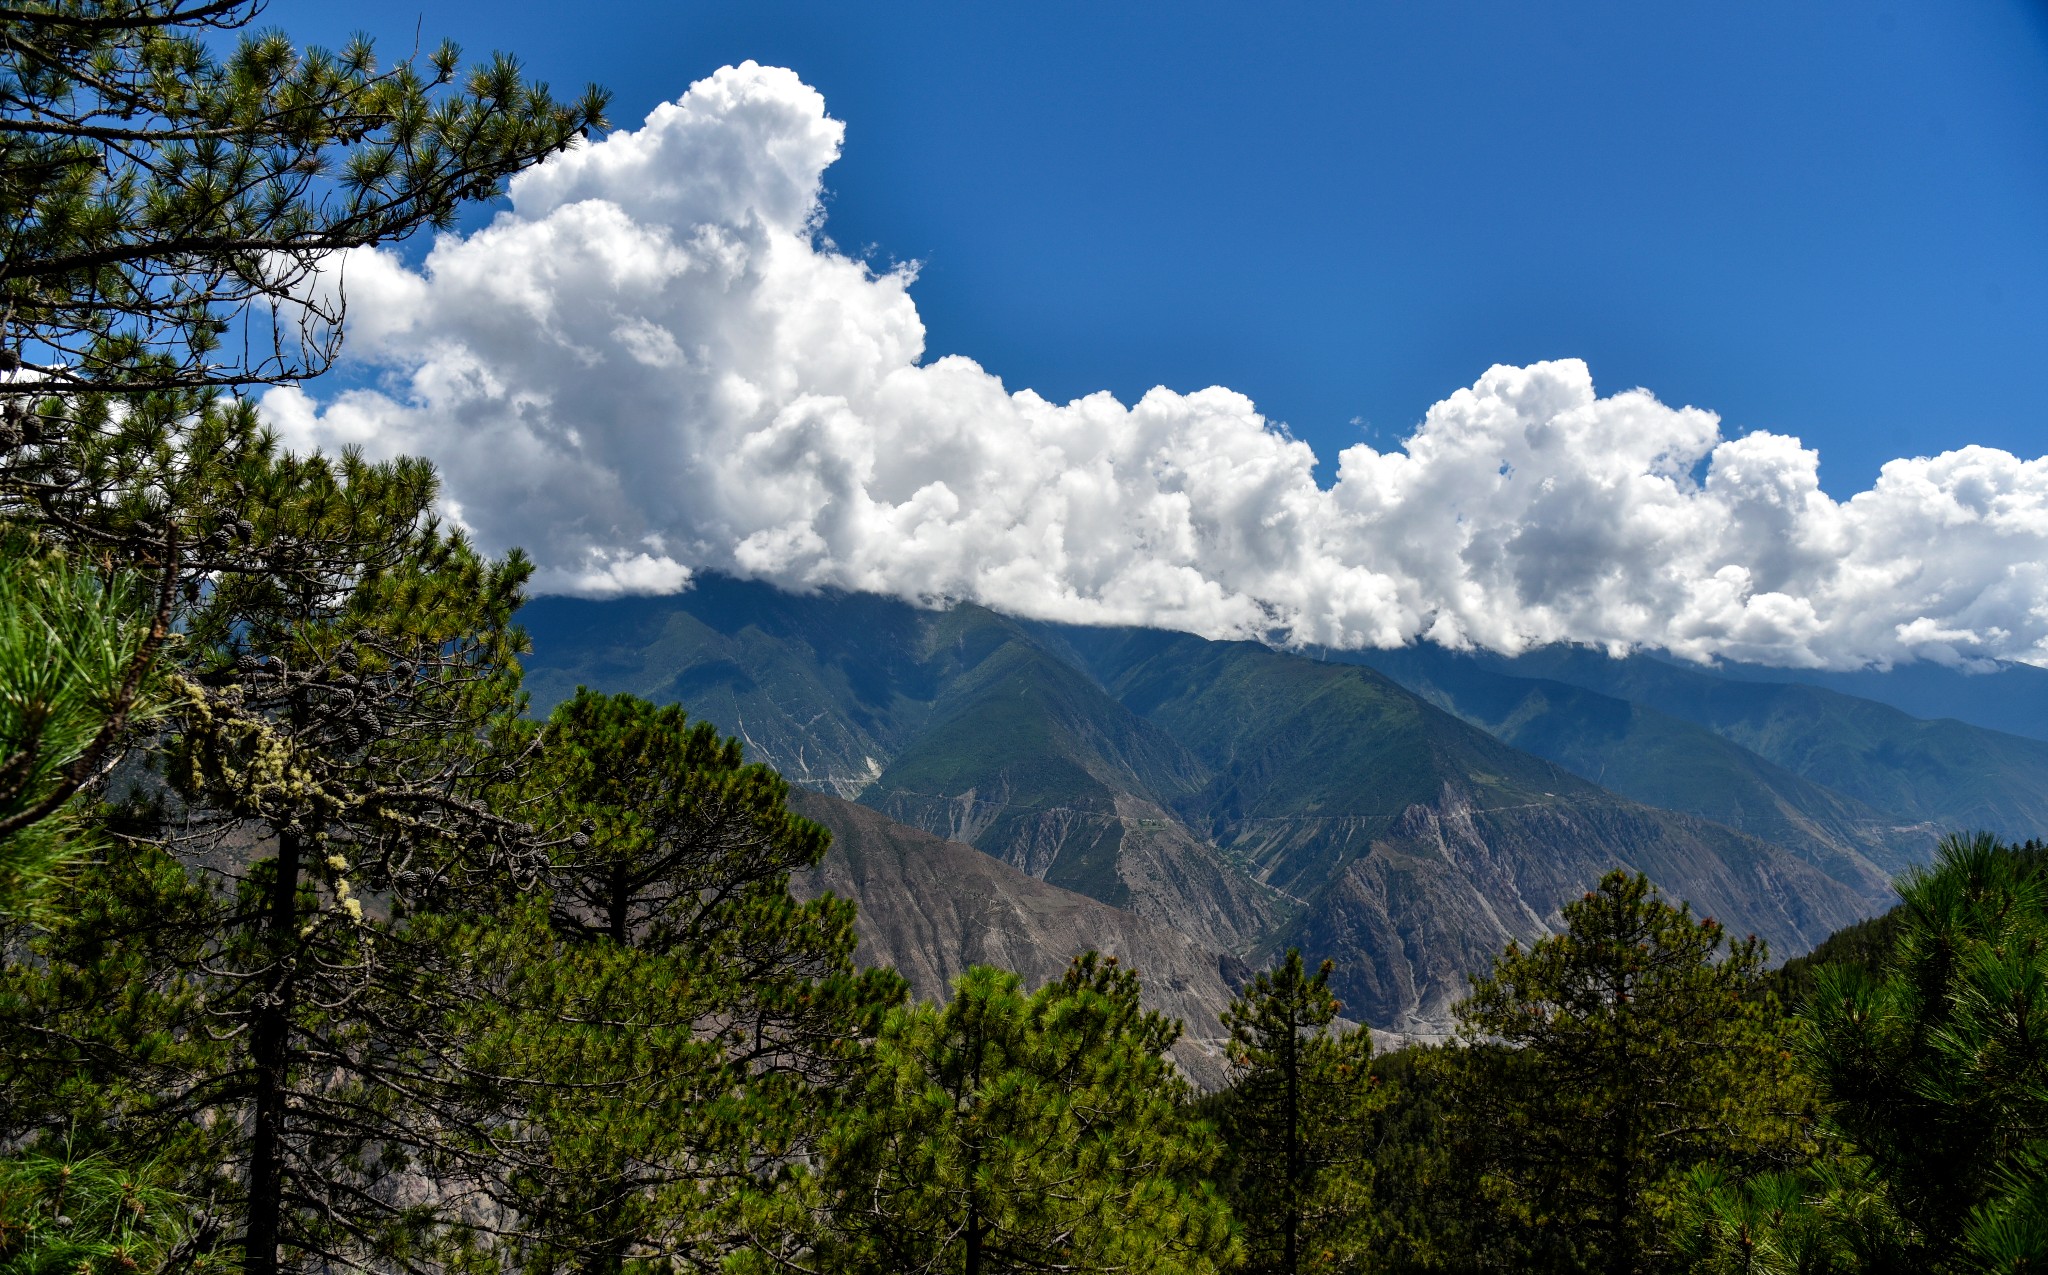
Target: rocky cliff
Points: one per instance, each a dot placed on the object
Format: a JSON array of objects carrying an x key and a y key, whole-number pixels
[{"x": 931, "y": 908}]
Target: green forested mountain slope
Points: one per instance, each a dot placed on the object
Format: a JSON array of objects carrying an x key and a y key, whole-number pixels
[
  {"x": 954, "y": 722},
  {"x": 1944, "y": 772},
  {"x": 1027, "y": 759},
  {"x": 2005, "y": 696},
  {"x": 824, "y": 689},
  {"x": 1662, "y": 760}
]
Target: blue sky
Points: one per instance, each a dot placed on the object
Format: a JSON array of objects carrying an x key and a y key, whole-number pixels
[{"x": 1828, "y": 219}]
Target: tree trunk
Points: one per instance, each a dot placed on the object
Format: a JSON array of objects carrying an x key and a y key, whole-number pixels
[
  {"x": 973, "y": 1234},
  {"x": 979, "y": 1045},
  {"x": 1621, "y": 1180},
  {"x": 1291, "y": 1255},
  {"x": 621, "y": 901},
  {"x": 1621, "y": 1257},
  {"x": 608, "y": 1260},
  {"x": 270, "y": 1059}
]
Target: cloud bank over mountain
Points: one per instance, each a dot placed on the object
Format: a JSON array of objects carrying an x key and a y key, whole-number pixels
[{"x": 653, "y": 364}]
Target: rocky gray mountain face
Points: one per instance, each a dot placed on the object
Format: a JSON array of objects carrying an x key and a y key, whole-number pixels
[
  {"x": 1249, "y": 799},
  {"x": 930, "y": 908}
]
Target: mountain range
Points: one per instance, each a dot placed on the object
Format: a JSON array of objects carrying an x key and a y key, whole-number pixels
[{"x": 1405, "y": 813}]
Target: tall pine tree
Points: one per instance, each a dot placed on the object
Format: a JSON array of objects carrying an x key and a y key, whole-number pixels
[
  {"x": 1297, "y": 1119},
  {"x": 670, "y": 1028},
  {"x": 240, "y": 984},
  {"x": 1935, "y": 1063},
  {"x": 236, "y": 985},
  {"x": 1608, "y": 1062}
]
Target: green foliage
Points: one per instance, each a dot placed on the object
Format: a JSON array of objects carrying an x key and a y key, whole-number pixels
[
  {"x": 342, "y": 658},
  {"x": 1424, "y": 1190},
  {"x": 277, "y": 1012},
  {"x": 236, "y": 988},
  {"x": 667, "y": 1017},
  {"x": 1609, "y": 1061},
  {"x": 1006, "y": 1132},
  {"x": 677, "y": 843},
  {"x": 80, "y": 1215},
  {"x": 153, "y": 190},
  {"x": 2008, "y": 1233},
  {"x": 1866, "y": 945},
  {"x": 1831, "y": 1217},
  {"x": 1936, "y": 1062},
  {"x": 1296, "y": 1118},
  {"x": 74, "y": 674}
]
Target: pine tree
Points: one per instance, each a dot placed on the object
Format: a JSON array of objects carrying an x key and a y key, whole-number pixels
[
  {"x": 75, "y": 673},
  {"x": 676, "y": 1022},
  {"x": 156, "y": 195},
  {"x": 1607, "y": 1062},
  {"x": 242, "y": 983},
  {"x": 1831, "y": 1217},
  {"x": 1296, "y": 1119},
  {"x": 1935, "y": 1064},
  {"x": 1010, "y": 1133},
  {"x": 81, "y": 1215},
  {"x": 278, "y": 1011}
]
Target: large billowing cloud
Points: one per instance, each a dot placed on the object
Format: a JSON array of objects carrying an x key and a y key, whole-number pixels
[{"x": 653, "y": 365}]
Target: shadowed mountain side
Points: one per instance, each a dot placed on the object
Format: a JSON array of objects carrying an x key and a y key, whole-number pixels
[
  {"x": 1662, "y": 761},
  {"x": 931, "y": 908},
  {"x": 825, "y": 689},
  {"x": 1030, "y": 761},
  {"x": 1956, "y": 776},
  {"x": 2006, "y": 697}
]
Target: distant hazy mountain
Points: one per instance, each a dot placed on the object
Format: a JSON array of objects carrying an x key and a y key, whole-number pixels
[
  {"x": 1947, "y": 773},
  {"x": 1662, "y": 760},
  {"x": 2007, "y": 697},
  {"x": 1247, "y": 798}
]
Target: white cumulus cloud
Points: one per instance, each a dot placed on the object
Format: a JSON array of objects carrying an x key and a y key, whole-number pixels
[{"x": 652, "y": 364}]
